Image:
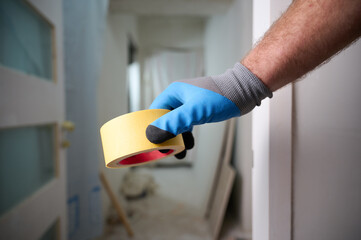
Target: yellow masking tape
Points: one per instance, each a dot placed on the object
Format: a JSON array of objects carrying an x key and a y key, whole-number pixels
[{"x": 125, "y": 143}]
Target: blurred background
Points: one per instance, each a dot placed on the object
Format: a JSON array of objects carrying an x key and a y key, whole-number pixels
[
  {"x": 78, "y": 64},
  {"x": 67, "y": 67}
]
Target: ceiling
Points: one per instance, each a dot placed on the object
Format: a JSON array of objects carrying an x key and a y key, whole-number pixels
[{"x": 170, "y": 7}]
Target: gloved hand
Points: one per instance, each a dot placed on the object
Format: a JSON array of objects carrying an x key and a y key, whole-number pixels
[{"x": 205, "y": 100}]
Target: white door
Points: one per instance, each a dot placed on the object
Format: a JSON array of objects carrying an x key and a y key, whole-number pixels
[{"x": 32, "y": 163}]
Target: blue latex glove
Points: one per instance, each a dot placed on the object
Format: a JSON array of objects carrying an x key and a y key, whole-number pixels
[{"x": 205, "y": 100}]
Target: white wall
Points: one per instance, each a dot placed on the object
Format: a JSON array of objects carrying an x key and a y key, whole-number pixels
[
  {"x": 327, "y": 150},
  {"x": 112, "y": 90},
  {"x": 228, "y": 38},
  {"x": 260, "y": 135},
  {"x": 171, "y": 31},
  {"x": 272, "y": 138}
]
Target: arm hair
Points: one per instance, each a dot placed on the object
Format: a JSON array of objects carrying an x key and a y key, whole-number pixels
[{"x": 305, "y": 36}]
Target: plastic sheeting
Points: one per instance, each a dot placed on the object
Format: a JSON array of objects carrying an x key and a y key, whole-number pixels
[
  {"x": 165, "y": 67},
  {"x": 84, "y": 25}
]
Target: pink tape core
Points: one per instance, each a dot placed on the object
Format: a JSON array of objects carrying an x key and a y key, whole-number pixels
[{"x": 144, "y": 157}]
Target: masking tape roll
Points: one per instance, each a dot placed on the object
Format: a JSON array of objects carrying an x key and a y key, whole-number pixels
[{"x": 125, "y": 143}]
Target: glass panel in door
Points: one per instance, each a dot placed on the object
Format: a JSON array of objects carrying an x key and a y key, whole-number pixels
[{"x": 27, "y": 162}]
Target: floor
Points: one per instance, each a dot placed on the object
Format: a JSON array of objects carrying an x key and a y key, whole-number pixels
[
  {"x": 231, "y": 230},
  {"x": 158, "y": 218}
]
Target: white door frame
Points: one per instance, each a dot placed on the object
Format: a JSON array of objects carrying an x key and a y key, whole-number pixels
[
  {"x": 32, "y": 101},
  {"x": 272, "y": 146}
]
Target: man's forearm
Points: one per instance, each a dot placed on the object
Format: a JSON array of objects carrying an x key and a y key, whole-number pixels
[{"x": 306, "y": 35}]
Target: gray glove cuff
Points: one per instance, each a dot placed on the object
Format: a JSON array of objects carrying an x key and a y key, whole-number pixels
[{"x": 242, "y": 87}]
